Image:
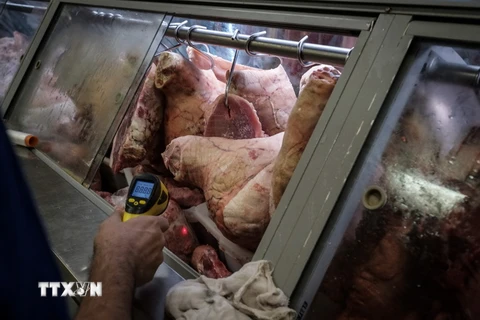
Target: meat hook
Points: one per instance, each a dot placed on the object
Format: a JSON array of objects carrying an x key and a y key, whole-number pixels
[
  {"x": 190, "y": 30},
  {"x": 177, "y": 25},
  {"x": 232, "y": 68},
  {"x": 250, "y": 39},
  {"x": 300, "y": 51}
]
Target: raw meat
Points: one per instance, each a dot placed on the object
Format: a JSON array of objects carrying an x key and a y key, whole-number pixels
[
  {"x": 220, "y": 65},
  {"x": 189, "y": 92},
  {"x": 247, "y": 215},
  {"x": 139, "y": 127},
  {"x": 237, "y": 121},
  {"x": 270, "y": 92},
  {"x": 185, "y": 196},
  {"x": 179, "y": 238},
  {"x": 96, "y": 184},
  {"x": 11, "y": 51},
  {"x": 117, "y": 199},
  {"x": 316, "y": 86},
  {"x": 205, "y": 260},
  {"x": 222, "y": 168}
]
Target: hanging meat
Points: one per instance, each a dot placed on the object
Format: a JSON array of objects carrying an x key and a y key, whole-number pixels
[
  {"x": 220, "y": 66},
  {"x": 135, "y": 137},
  {"x": 189, "y": 92},
  {"x": 316, "y": 86},
  {"x": 222, "y": 168},
  {"x": 237, "y": 120},
  {"x": 270, "y": 92}
]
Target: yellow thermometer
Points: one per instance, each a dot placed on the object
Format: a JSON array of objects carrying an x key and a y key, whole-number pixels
[{"x": 147, "y": 195}]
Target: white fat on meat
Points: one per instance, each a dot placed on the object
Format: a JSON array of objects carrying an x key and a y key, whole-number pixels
[
  {"x": 189, "y": 93},
  {"x": 270, "y": 92},
  {"x": 226, "y": 169},
  {"x": 220, "y": 66},
  {"x": 316, "y": 86}
]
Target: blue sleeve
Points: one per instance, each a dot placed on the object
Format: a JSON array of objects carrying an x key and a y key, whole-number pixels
[{"x": 25, "y": 255}]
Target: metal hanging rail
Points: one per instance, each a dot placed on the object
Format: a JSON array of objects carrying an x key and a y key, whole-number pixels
[{"x": 258, "y": 44}]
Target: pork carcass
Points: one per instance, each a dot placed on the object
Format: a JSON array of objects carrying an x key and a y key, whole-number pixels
[
  {"x": 142, "y": 123},
  {"x": 205, "y": 260},
  {"x": 189, "y": 92},
  {"x": 270, "y": 92},
  {"x": 316, "y": 86},
  {"x": 179, "y": 238},
  {"x": 220, "y": 66},
  {"x": 222, "y": 168},
  {"x": 11, "y": 52},
  {"x": 238, "y": 120}
]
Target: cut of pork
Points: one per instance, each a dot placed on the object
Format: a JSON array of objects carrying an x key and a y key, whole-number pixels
[
  {"x": 205, "y": 260},
  {"x": 189, "y": 93},
  {"x": 270, "y": 92},
  {"x": 316, "y": 87},
  {"x": 142, "y": 123},
  {"x": 237, "y": 121},
  {"x": 220, "y": 65},
  {"x": 222, "y": 168},
  {"x": 179, "y": 238}
]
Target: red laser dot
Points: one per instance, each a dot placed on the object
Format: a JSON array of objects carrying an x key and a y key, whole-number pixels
[{"x": 184, "y": 231}]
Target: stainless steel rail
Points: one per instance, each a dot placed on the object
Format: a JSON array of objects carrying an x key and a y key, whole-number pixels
[
  {"x": 25, "y": 7},
  {"x": 465, "y": 74},
  {"x": 251, "y": 43}
]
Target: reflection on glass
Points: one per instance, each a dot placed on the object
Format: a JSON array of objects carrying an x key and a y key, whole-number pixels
[
  {"x": 82, "y": 75},
  {"x": 418, "y": 256},
  {"x": 19, "y": 21}
]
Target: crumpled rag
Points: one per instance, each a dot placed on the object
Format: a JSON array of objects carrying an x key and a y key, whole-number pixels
[{"x": 249, "y": 293}]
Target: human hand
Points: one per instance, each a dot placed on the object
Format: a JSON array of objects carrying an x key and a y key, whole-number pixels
[{"x": 135, "y": 244}]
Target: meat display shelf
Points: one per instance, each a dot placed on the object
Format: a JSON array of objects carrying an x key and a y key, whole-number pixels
[{"x": 379, "y": 208}]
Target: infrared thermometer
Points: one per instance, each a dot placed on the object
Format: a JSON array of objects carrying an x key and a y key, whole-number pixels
[{"x": 147, "y": 195}]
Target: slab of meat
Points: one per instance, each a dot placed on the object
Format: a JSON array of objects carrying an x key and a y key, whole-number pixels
[
  {"x": 316, "y": 86},
  {"x": 189, "y": 92},
  {"x": 220, "y": 65},
  {"x": 11, "y": 49},
  {"x": 237, "y": 121},
  {"x": 247, "y": 214},
  {"x": 179, "y": 238},
  {"x": 205, "y": 260},
  {"x": 142, "y": 122},
  {"x": 222, "y": 168},
  {"x": 270, "y": 92}
]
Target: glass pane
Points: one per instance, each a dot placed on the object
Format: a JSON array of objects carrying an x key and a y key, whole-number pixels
[
  {"x": 78, "y": 83},
  {"x": 221, "y": 160},
  {"x": 19, "y": 21},
  {"x": 411, "y": 244}
]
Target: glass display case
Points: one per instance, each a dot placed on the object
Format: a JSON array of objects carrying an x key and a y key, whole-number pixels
[
  {"x": 408, "y": 229},
  {"x": 342, "y": 148},
  {"x": 19, "y": 21},
  {"x": 78, "y": 84}
]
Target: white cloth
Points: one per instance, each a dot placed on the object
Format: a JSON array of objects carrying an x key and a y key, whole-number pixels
[{"x": 249, "y": 293}]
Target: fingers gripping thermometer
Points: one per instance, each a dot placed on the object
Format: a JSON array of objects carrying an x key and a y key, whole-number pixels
[{"x": 147, "y": 195}]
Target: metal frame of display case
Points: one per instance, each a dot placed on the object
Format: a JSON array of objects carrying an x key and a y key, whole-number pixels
[
  {"x": 347, "y": 24},
  {"x": 324, "y": 174},
  {"x": 376, "y": 97}
]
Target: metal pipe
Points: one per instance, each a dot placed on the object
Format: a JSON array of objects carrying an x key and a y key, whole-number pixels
[
  {"x": 438, "y": 69},
  {"x": 24, "y": 7},
  {"x": 277, "y": 47}
]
